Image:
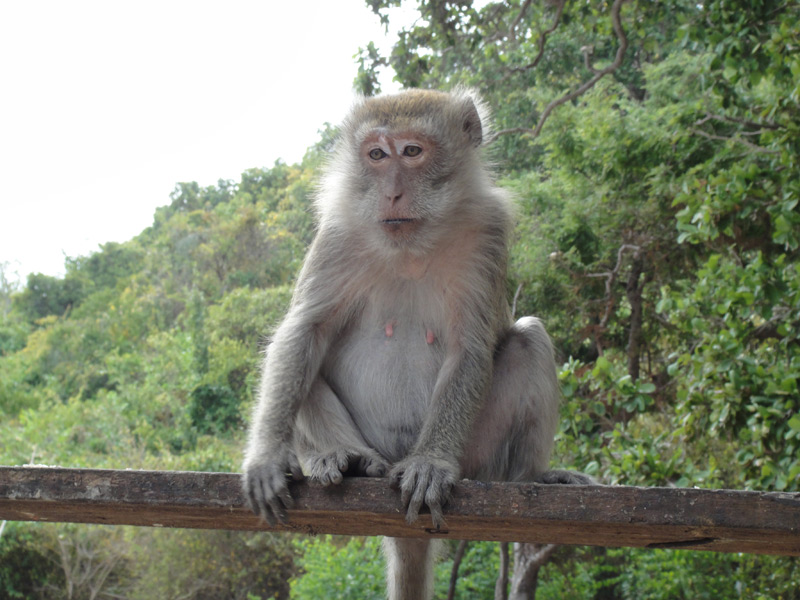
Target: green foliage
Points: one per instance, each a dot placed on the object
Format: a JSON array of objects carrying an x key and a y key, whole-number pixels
[
  {"x": 658, "y": 236},
  {"x": 339, "y": 569},
  {"x": 199, "y": 565},
  {"x": 369, "y": 63},
  {"x": 145, "y": 356},
  {"x": 13, "y": 335},
  {"x": 44, "y": 296},
  {"x": 476, "y": 575},
  {"x": 333, "y": 567},
  {"x": 103, "y": 269},
  {"x": 24, "y": 568},
  {"x": 633, "y": 574},
  {"x": 213, "y": 409},
  {"x": 741, "y": 381}
]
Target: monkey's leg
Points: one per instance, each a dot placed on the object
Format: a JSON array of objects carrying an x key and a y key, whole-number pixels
[
  {"x": 512, "y": 437},
  {"x": 409, "y": 569},
  {"x": 328, "y": 441}
]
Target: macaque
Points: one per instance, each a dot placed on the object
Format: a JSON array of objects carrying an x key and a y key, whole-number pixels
[{"x": 398, "y": 356}]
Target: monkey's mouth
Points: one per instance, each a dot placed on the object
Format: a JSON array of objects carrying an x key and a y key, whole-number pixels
[{"x": 400, "y": 227}]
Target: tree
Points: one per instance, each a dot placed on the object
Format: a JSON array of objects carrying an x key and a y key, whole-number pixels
[{"x": 653, "y": 149}]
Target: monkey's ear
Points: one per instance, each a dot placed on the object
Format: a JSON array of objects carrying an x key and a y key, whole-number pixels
[{"x": 471, "y": 122}]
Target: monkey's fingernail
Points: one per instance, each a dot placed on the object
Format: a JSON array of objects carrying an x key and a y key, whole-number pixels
[{"x": 429, "y": 337}]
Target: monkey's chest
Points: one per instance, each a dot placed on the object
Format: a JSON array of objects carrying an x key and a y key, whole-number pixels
[{"x": 384, "y": 371}]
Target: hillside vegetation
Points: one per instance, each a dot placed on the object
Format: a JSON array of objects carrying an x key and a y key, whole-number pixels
[{"x": 658, "y": 237}]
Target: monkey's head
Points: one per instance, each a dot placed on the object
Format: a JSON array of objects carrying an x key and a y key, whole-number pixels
[{"x": 407, "y": 168}]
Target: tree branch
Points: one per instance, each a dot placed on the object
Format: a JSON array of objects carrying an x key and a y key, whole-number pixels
[
  {"x": 511, "y": 34},
  {"x": 514, "y": 304},
  {"x": 451, "y": 591},
  {"x": 528, "y": 560},
  {"x": 501, "y": 586},
  {"x": 542, "y": 37},
  {"x": 611, "y": 278},
  {"x": 727, "y": 119},
  {"x": 623, "y": 46},
  {"x": 736, "y": 138},
  {"x": 633, "y": 289}
]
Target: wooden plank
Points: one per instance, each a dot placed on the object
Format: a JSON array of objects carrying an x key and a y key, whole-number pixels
[{"x": 718, "y": 520}]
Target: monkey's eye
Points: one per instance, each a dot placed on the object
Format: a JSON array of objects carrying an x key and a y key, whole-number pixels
[
  {"x": 377, "y": 154},
  {"x": 412, "y": 151}
]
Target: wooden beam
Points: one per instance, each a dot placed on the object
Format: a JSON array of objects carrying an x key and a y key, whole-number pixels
[{"x": 719, "y": 520}]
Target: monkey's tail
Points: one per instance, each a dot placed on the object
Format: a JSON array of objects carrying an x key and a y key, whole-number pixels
[{"x": 409, "y": 565}]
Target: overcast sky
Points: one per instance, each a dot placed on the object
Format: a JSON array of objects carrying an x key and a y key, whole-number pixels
[{"x": 104, "y": 106}]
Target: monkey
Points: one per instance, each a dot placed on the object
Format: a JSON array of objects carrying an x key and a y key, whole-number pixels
[{"x": 398, "y": 355}]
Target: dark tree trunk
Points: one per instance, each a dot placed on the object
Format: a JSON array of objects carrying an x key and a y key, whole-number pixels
[
  {"x": 633, "y": 290},
  {"x": 501, "y": 587},
  {"x": 462, "y": 546},
  {"x": 528, "y": 559}
]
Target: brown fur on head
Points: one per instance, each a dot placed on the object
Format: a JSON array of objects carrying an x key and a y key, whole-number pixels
[
  {"x": 439, "y": 113},
  {"x": 406, "y": 169}
]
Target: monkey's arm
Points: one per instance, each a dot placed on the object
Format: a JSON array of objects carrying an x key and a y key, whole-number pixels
[
  {"x": 479, "y": 313},
  {"x": 292, "y": 362},
  {"x": 290, "y": 366},
  {"x": 429, "y": 472}
]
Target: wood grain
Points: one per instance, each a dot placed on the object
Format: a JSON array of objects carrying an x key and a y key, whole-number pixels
[{"x": 718, "y": 520}]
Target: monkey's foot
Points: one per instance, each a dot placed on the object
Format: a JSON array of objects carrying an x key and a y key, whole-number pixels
[
  {"x": 424, "y": 480},
  {"x": 565, "y": 477},
  {"x": 328, "y": 467}
]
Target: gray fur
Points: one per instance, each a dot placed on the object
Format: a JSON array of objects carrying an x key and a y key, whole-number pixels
[{"x": 398, "y": 355}]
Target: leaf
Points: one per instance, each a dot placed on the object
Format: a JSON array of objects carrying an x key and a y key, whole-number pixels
[{"x": 794, "y": 422}]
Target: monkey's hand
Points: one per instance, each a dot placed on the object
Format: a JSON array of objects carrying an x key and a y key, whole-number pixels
[
  {"x": 328, "y": 467},
  {"x": 424, "y": 479},
  {"x": 265, "y": 484}
]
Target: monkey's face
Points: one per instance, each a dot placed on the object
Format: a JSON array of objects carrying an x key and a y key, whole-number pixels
[
  {"x": 398, "y": 167},
  {"x": 406, "y": 170}
]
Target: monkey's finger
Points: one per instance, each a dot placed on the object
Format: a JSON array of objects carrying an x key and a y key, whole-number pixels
[
  {"x": 395, "y": 476},
  {"x": 414, "y": 504},
  {"x": 274, "y": 497},
  {"x": 281, "y": 495},
  {"x": 285, "y": 497},
  {"x": 247, "y": 491},
  {"x": 372, "y": 467},
  {"x": 417, "y": 498},
  {"x": 277, "y": 511},
  {"x": 259, "y": 498},
  {"x": 343, "y": 461},
  {"x": 252, "y": 500},
  {"x": 330, "y": 473},
  {"x": 435, "y": 498},
  {"x": 436, "y": 515},
  {"x": 407, "y": 486},
  {"x": 295, "y": 469},
  {"x": 267, "y": 515},
  {"x": 254, "y": 497}
]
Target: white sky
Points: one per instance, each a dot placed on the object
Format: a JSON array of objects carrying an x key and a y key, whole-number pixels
[{"x": 106, "y": 105}]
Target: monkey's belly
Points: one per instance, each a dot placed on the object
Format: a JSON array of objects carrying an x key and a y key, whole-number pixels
[{"x": 384, "y": 376}]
